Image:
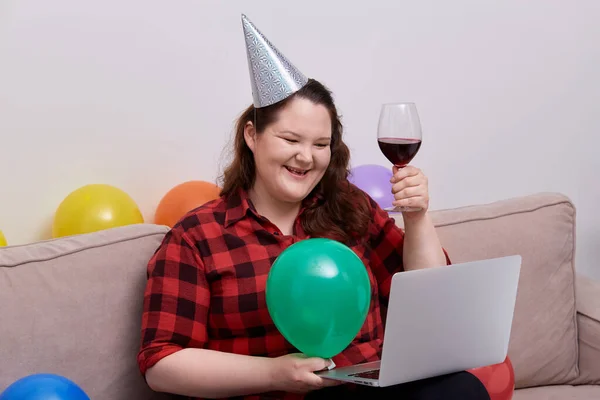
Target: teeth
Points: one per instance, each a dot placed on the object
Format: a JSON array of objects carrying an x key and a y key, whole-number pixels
[{"x": 298, "y": 171}]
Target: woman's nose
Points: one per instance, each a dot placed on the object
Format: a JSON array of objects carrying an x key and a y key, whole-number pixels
[{"x": 304, "y": 154}]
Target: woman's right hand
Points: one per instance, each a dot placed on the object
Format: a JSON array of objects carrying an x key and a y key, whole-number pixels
[{"x": 295, "y": 373}]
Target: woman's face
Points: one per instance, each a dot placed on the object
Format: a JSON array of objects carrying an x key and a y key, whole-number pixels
[{"x": 293, "y": 153}]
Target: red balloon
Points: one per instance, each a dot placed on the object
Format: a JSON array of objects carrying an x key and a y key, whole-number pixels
[{"x": 498, "y": 379}]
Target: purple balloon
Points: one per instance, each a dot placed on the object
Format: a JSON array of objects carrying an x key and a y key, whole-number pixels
[{"x": 375, "y": 180}]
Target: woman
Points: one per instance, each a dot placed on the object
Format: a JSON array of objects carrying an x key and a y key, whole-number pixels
[{"x": 206, "y": 330}]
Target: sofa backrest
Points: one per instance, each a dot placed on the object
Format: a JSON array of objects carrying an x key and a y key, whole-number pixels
[
  {"x": 541, "y": 228},
  {"x": 72, "y": 306}
]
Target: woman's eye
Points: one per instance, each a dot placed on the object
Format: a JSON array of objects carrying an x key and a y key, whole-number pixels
[
  {"x": 322, "y": 145},
  {"x": 291, "y": 140}
]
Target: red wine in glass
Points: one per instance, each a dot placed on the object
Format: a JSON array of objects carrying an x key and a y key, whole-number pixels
[
  {"x": 400, "y": 151},
  {"x": 399, "y": 137}
]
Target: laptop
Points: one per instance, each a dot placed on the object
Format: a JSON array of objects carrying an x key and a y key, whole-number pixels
[{"x": 442, "y": 320}]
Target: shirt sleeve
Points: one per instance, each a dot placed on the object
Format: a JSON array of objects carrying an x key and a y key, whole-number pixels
[
  {"x": 386, "y": 256},
  {"x": 176, "y": 301}
]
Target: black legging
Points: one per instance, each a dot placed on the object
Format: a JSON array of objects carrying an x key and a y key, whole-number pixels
[{"x": 460, "y": 386}]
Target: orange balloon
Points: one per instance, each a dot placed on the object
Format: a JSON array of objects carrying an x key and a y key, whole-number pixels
[
  {"x": 182, "y": 199},
  {"x": 498, "y": 379}
]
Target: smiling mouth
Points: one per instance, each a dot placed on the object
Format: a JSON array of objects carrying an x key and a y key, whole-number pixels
[{"x": 296, "y": 171}]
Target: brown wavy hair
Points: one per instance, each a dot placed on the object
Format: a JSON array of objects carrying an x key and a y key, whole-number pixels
[{"x": 342, "y": 211}]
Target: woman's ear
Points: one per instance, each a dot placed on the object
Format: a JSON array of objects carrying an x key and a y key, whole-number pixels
[{"x": 250, "y": 135}]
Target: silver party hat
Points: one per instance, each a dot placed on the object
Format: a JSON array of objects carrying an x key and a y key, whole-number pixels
[{"x": 272, "y": 75}]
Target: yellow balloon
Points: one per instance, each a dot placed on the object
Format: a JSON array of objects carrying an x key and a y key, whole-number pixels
[
  {"x": 2, "y": 240},
  {"x": 93, "y": 208}
]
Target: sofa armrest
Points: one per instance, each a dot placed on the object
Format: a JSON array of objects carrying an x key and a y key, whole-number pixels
[
  {"x": 588, "y": 325},
  {"x": 588, "y": 297}
]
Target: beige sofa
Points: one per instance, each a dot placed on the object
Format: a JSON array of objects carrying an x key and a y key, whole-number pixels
[{"x": 71, "y": 306}]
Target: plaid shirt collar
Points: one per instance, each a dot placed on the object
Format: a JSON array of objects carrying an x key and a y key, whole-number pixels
[{"x": 239, "y": 205}]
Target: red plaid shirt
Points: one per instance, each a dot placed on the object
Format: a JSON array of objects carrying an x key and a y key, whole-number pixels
[{"x": 206, "y": 285}]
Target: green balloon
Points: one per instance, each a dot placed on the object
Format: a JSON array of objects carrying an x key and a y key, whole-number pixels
[{"x": 318, "y": 294}]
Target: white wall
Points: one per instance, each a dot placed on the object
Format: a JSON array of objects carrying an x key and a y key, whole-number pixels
[{"x": 143, "y": 95}]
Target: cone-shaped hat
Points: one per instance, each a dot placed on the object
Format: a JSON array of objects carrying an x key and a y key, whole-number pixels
[{"x": 272, "y": 75}]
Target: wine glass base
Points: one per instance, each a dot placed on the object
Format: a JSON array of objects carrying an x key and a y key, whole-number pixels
[{"x": 401, "y": 209}]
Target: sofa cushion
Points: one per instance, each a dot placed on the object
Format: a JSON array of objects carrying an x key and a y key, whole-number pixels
[
  {"x": 72, "y": 306},
  {"x": 559, "y": 393},
  {"x": 543, "y": 346}
]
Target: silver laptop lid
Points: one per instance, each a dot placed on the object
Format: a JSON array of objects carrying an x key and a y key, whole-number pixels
[{"x": 448, "y": 319}]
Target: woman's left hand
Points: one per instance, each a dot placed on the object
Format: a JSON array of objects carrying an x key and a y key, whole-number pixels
[{"x": 409, "y": 186}]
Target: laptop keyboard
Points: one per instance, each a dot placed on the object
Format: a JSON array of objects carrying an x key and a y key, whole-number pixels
[{"x": 372, "y": 374}]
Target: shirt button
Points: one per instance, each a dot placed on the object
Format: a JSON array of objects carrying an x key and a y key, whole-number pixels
[{"x": 276, "y": 233}]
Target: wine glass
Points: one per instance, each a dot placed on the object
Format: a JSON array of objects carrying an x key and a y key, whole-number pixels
[{"x": 399, "y": 137}]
